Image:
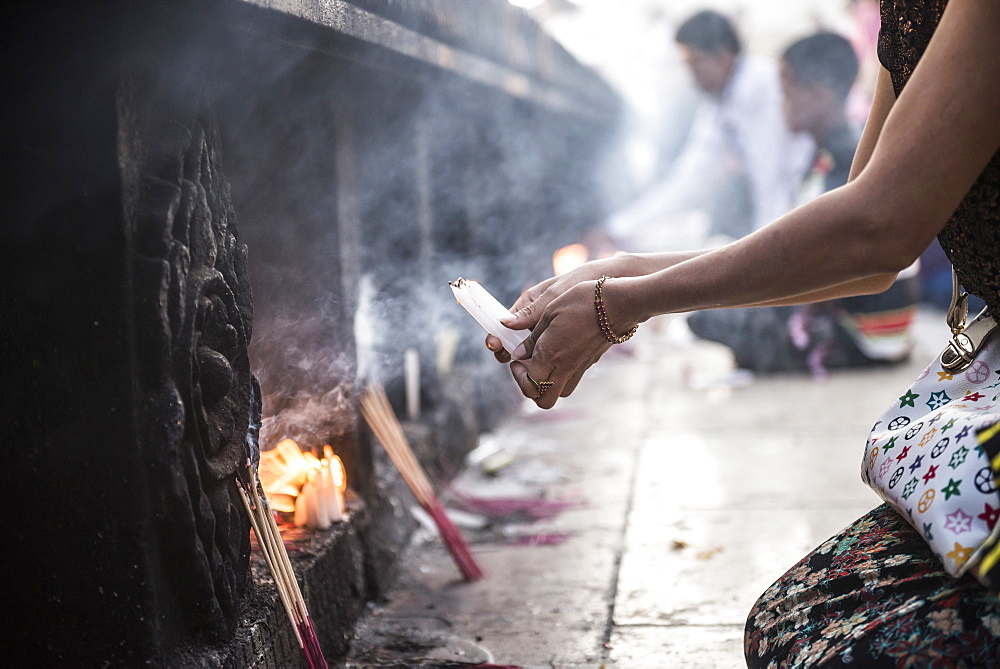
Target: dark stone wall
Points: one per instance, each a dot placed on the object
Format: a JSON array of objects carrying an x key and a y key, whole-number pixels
[
  {"x": 160, "y": 158},
  {"x": 190, "y": 318},
  {"x": 64, "y": 353},
  {"x": 127, "y": 317}
]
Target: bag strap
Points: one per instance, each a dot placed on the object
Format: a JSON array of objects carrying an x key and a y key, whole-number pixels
[
  {"x": 966, "y": 341},
  {"x": 958, "y": 310}
]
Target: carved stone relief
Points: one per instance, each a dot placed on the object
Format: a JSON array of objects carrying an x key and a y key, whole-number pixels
[{"x": 191, "y": 317}]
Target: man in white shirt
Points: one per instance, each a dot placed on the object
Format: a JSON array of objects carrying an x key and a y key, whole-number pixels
[{"x": 739, "y": 146}]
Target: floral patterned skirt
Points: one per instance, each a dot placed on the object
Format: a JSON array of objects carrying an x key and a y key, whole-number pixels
[{"x": 874, "y": 596}]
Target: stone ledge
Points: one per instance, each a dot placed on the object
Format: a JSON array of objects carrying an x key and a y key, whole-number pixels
[{"x": 338, "y": 570}]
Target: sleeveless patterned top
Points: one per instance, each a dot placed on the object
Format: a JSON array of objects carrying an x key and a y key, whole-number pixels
[{"x": 971, "y": 238}]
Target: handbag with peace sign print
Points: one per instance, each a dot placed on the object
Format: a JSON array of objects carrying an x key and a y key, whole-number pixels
[{"x": 934, "y": 455}]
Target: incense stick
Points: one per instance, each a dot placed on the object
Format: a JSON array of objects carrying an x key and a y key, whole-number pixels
[
  {"x": 380, "y": 417},
  {"x": 280, "y": 566},
  {"x": 265, "y": 548}
]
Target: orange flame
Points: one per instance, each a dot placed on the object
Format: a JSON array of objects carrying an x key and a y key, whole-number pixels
[
  {"x": 287, "y": 470},
  {"x": 568, "y": 258},
  {"x": 336, "y": 468}
]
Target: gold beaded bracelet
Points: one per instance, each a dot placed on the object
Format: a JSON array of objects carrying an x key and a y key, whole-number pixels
[{"x": 602, "y": 316}]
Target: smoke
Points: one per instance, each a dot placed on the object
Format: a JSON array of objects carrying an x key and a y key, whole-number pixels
[
  {"x": 364, "y": 182},
  {"x": 307, "y": 384}
]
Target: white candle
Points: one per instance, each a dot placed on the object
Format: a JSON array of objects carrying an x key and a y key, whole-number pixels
[
  {"x": 319, "y": 499},
  {"x": 332, "y": 499},
  {"x": 411, "y": 376},
  {"x": 318, "y": 518},
  {"x": 310, "y": 507},
  {"x": 301, "y": 517},
  {"x": 488, "y": 312},
  {"x": 338, "y": 482}
]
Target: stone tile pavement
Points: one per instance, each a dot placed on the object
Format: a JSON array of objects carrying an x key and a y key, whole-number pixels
[{"x": 693, "y": 488}]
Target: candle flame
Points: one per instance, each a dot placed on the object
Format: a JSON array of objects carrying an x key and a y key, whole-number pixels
[
  {"x": 287, "y": 473},
  {"x": 568, "y": 258},
  {"x": 336, "y": 468}
]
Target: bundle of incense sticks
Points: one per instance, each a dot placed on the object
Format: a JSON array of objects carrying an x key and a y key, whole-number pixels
[
  {"x": 488, "y": 312},
  {"x": 273, "y": 548},
  {"x": 380, "y": 417}
]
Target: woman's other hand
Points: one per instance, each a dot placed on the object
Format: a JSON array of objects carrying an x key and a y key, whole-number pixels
[
  {"x": 532, "y": 303},
  {"x": 565, "y": 341}
]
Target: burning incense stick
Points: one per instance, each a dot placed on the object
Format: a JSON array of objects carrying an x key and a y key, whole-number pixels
[
  {"x": 488, "y": 312},
  {"x": 378, "y": 413},
  {"x": 273, "y": 548}
]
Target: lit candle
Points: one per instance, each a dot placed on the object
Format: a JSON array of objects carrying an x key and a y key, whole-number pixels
[
  {"x": 301, "y": 517},
  {"x": 319, "y": 498},
  {"x": 332, "y": 501},
  {"x": 314, "y": 512},
  {"x": 488, "y": 311},
  {"x": 411, "y": 376},
  {"x": 312, "y": 489},
  {"x": 337, "y": 478}
]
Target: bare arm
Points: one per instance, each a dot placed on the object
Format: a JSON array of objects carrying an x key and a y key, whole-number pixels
[{"x": 882, "y": 102}]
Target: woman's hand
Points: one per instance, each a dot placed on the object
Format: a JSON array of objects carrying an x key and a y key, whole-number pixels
[
  {"x": 532, "y": 303},
  {"x": 564, "y": 343},
  {"x": 530, "y": 306}
]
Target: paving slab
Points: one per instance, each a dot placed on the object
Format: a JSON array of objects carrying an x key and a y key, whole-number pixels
[
  {"x": 709, "y": 567},
  {"x": 678, "y": 647}
]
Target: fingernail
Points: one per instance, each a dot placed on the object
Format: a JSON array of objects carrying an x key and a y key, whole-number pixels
[
  {"x": 519, "y": 353},
  {"x": 508, "y": 318}
]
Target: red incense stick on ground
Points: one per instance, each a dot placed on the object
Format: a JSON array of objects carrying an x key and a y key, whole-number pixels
[{"x": 378, "y": 413}]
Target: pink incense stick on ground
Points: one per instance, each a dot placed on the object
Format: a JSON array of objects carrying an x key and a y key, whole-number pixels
[
  {"x": 380, "y": 417},
  {"x": 455, "y": 542}
]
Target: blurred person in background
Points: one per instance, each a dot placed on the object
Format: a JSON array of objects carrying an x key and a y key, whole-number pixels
[
  {"x": 739, "y": 162},
  {"x": 817, "y": 75}
]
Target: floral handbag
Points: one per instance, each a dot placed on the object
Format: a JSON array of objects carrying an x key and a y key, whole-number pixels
[{"x": 934, "y": 455}]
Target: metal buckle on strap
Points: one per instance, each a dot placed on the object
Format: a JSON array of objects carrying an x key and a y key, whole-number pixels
[
  {"x": 966, "y": 343},
  {"x": 959, "y": 354}
]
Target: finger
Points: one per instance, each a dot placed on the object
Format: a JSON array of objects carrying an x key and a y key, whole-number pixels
[
  {"x": 543, "y": 391},
  {"x": 530, "y": 306},
  {"x": 532, "y": 294},
  {"x": 526, "y": 317},
  {"x": 520, "y": 372},
  {"x": 494, "y": 344},
  {"x": 526, "y": 348},
  {"x": 567, "y": 380}
]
